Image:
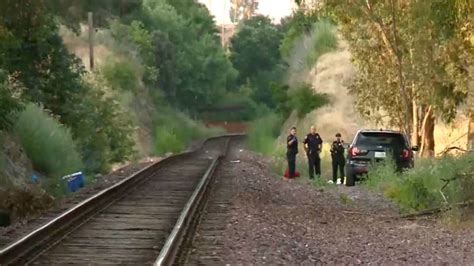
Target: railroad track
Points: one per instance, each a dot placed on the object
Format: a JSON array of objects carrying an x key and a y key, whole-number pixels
[
  {"x": 141, "y": 220},
  {"x": 205, "y": 242}
]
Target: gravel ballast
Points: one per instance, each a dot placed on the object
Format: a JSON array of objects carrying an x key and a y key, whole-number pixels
[{"x": 273, "y": 221}]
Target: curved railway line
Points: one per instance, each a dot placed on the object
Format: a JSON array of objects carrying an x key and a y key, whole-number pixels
[{"x": 141, "y": 220}]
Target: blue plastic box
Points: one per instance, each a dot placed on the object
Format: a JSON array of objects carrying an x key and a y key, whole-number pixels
[{"x": 74, "y": 181}]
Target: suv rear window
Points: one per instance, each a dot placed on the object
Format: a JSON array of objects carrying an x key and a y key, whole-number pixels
[{"x": 381, "y": 139}]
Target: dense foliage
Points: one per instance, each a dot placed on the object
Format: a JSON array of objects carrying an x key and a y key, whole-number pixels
[
  {"x": 423, "y": 49},
  {"x": 167, "y": 51},
  {"x": 255, "y": 54},
  {"x": 177, "y": 41},
  {"x": 299, "y": 24},
  {"x": 35, "y": 58},
  {"x": 56, "y": 154},
  {"x": 433, "y": 183},
  {"x": 8, "y": 102}
]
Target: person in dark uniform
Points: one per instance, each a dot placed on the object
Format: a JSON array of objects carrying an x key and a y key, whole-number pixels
[
  {"x": 292, "y": 150},
  {"x": 338, "y": 159},
  {"x": 313, "y": 144}
]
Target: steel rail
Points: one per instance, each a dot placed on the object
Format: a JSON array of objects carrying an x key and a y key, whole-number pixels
[
  {"x": 170, "y": 249},
  {"x": 31, "y": 242}
]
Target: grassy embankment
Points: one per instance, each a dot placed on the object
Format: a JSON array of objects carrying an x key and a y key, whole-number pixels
[{"x": 425, "y": 187}]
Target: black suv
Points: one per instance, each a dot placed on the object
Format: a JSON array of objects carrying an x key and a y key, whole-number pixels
[{"x": 374, "y": 146}]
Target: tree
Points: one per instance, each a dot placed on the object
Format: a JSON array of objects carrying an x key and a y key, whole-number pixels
[
  {"x": 254, "y": 52},
  {"x": 9, "y": 103},
  {"x": 72, "y": 12},
  {"x": 294, "y": 27},
  {"x": 411, "y": 62},
  {"x": 39, "y": 68},
  {"x": 465, "y": 24},
  {"x": 254, "y": 48},
  {"x": 178, "y": 42},
  {"x": 242, "y": 9}
]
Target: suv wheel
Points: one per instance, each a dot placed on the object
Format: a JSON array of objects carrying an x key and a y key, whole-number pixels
[{"x": 350, "y": 182}]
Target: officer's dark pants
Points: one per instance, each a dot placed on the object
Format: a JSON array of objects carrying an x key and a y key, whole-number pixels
[
  {"x": 338, "y": 164},
  {"x": 291, "y": 157},
  {"x": 314, "y": 163}
]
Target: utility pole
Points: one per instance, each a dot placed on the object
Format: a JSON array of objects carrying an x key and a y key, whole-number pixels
[{"x": 91, "y": 40}]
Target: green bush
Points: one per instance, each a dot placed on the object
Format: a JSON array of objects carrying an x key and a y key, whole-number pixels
[
  {"x": 263, "y": 133},
  {"x": 174, "y": 131},
  {"x": 305, "y": 100},
  {"x": 101, "y": 127},
  {"x": 280, "y": 98},
  {"x": 120, "y": 75},
  {"x": 47, "y": 143},
  {"x": 325, "y": 40},
  {"x": 420, "y": 188}
]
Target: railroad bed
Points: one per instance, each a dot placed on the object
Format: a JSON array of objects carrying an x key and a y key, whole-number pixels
[
  {"x": 138, "y": 221},
  {"x": 205, "y": 243}
]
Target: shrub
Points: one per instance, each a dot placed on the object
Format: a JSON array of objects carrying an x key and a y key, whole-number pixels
[
  {"x": 174, "y": 131},
  {"x": 47, "y": 143},
  {"x": 280, "y": 98},
  {"x": 325, "y": 40},
  {"x": 420, "y": 188},
  {"x": 23, "y": 202},
  {"x": 167, "y": 140},
  {"x": 102, "y": 128},
  {"x": 263, "y": 132},
  {"x": 305, "y": 100},
  {"x": 120, "y": 75}
]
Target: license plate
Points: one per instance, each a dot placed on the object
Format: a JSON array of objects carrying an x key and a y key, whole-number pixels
[{"x": 379, "y": 154}]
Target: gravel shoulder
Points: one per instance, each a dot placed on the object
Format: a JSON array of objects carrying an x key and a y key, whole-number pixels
[{"x": 273, "y": 221}]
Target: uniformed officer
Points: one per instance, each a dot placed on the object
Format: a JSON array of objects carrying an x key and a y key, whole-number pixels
[
  {"x": 338, "y": 160},
  {"x": 292, "y": 150},
  {"x": 313, "y": 144}
]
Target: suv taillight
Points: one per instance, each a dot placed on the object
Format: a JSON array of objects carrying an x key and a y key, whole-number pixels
[
  {"x": 406, "y": 153},
  {"x": 354, "y": 151}
]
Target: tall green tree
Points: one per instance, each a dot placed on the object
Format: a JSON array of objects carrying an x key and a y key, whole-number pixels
[
  {"x": 254, "y": 48},
  {"x": 255, "y": 54},
  {"x": 35, "y": 60},
  {"x": 411, "y": 61},
  {"x": 178, "y": 42}
]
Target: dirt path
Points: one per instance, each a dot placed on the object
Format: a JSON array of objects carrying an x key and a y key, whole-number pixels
[{"x": 289, "y": 222}]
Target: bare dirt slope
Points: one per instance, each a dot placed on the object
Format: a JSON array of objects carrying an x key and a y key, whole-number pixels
[
  {"x": 332, "y": 75},
  {"x": 273, "y": 221}
]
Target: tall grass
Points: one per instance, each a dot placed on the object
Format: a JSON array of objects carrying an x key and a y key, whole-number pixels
[
  {"x": 174, "y": 131},
  {"x": 47, "y": 143},
  {"x": 324, "y": 41},
  {"x": 263, "y": 133},
  {"x": 421, "y": 188}
]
